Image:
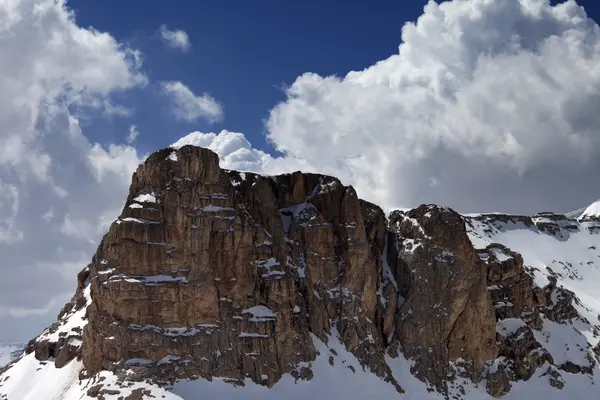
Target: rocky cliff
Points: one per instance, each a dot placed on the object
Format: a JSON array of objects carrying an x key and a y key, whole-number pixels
[{"x": 214, "y": 273}]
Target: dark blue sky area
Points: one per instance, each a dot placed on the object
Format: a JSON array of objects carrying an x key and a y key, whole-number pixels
[{"x": 243, "y": 51}]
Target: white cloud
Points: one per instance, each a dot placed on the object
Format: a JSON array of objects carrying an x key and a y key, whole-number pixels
[
  {"x": 186, "y": 106},
  {"x": 488, "y": 106},
  {"x": 9, "y": 208},
  {"x": 176, "y": 39},
  {"x": 495, "y": 99},
  {"x": 133, "y": 134},
  {"x": 23, "y": 312},
  {"x": 57, "y": 189},
  {"x": 236, "y": 152},
  {"x": 49, "y": 215}
]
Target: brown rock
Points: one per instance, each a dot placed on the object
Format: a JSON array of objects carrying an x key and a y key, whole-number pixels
[
  {"x": 215, "y": 273},
  {"x": 67, "y": 352},
  {"x": 498, "y": 381},
  {"x": 509, "y": 284},
  {"x": 524, "y": 350},
  {"x": 447, "y": 314}
]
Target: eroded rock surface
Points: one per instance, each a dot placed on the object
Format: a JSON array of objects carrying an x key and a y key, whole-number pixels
[{"x": 209, "y": 272}]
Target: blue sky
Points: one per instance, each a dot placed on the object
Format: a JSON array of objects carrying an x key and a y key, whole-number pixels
[
  {"x": 242, "y": 52},
  {"x": 480, "y": 105}
]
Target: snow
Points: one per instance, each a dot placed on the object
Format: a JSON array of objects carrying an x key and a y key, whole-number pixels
[
  {"x": 387, "y": 271},
  {"x": 500, "y": 255},
  {"x": 260, "y": 313},
  {"x": 172, "y": 156},
  {"x": 212, "y": 208},
  {"x": 302, "y": 211},
  {"x": 268, "y": 264},
  {"x": 148, "y": 280},
  {"x": 576, "y": 259},
  {"x": 573, "y": 257},
  {"x": 138, "y": 361},
  {"x": 30, "y": 379},
  {"x": 145, "y": 198},
  {"x": 138, "y": 221},
  {"x": 592, "y": 211},
  {"x": 333, "y": 382},
  {"x": 508, "y": 326},
  {"x": 564, "y": 342},
  {"x": 252, "y": 335},
  {"x": 70, "y": 321}
]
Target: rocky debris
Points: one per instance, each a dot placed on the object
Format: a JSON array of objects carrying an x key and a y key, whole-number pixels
[
  {"x": 509, "y": 284},
  {"x": 447, "y": 312},
  {"x": 499, "y": 375},
  {"x": 558, "y": 304},
  {"x": 554, "y": 377},
  {"x": 524, "y": 351},
  {"x": 99, "y": 392}
]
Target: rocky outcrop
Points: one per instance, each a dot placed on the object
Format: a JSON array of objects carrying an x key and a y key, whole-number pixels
[
  {"x": 62, "y": 341},
  {"x": 447, "y": 312},
  {"x": 209, "y": 272},
  {"x": 509, "y": 285},
  {"x": 522, "y": 308}
]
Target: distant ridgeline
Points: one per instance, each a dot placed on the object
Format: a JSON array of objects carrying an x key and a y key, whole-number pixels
[{"x": 10, "y": 352}]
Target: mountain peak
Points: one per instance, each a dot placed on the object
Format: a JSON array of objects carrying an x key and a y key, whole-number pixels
[{"x": 592, "y": 211}]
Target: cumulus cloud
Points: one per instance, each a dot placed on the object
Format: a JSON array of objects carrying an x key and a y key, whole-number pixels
[
  {"x": 235, "y": 152},
  {"x": 487, "y": 106},
  {"x": 58, "y": 190},
  {"x": 176, "y": 39},
  {"x": 492, "y": 100},
  {"x": 188, "y": 107}
]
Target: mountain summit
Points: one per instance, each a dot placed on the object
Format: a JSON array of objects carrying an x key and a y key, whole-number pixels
[{"x": 224, "y": 283}]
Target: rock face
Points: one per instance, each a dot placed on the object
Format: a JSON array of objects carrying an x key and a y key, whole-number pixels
[
  {"x": 209, "y": 272},
  {"x": 447, "y": 312},
  {"x": 228, "y": 274}
]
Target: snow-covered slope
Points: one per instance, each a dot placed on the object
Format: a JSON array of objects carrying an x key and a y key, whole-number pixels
[
  {"x": 31, "y": 379},
  {"x": 554, "y": 247},
  {"x": 593, "y": 211},
  {"x": 589, "y": 212},
  {"x": 565, "y": 249}
]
